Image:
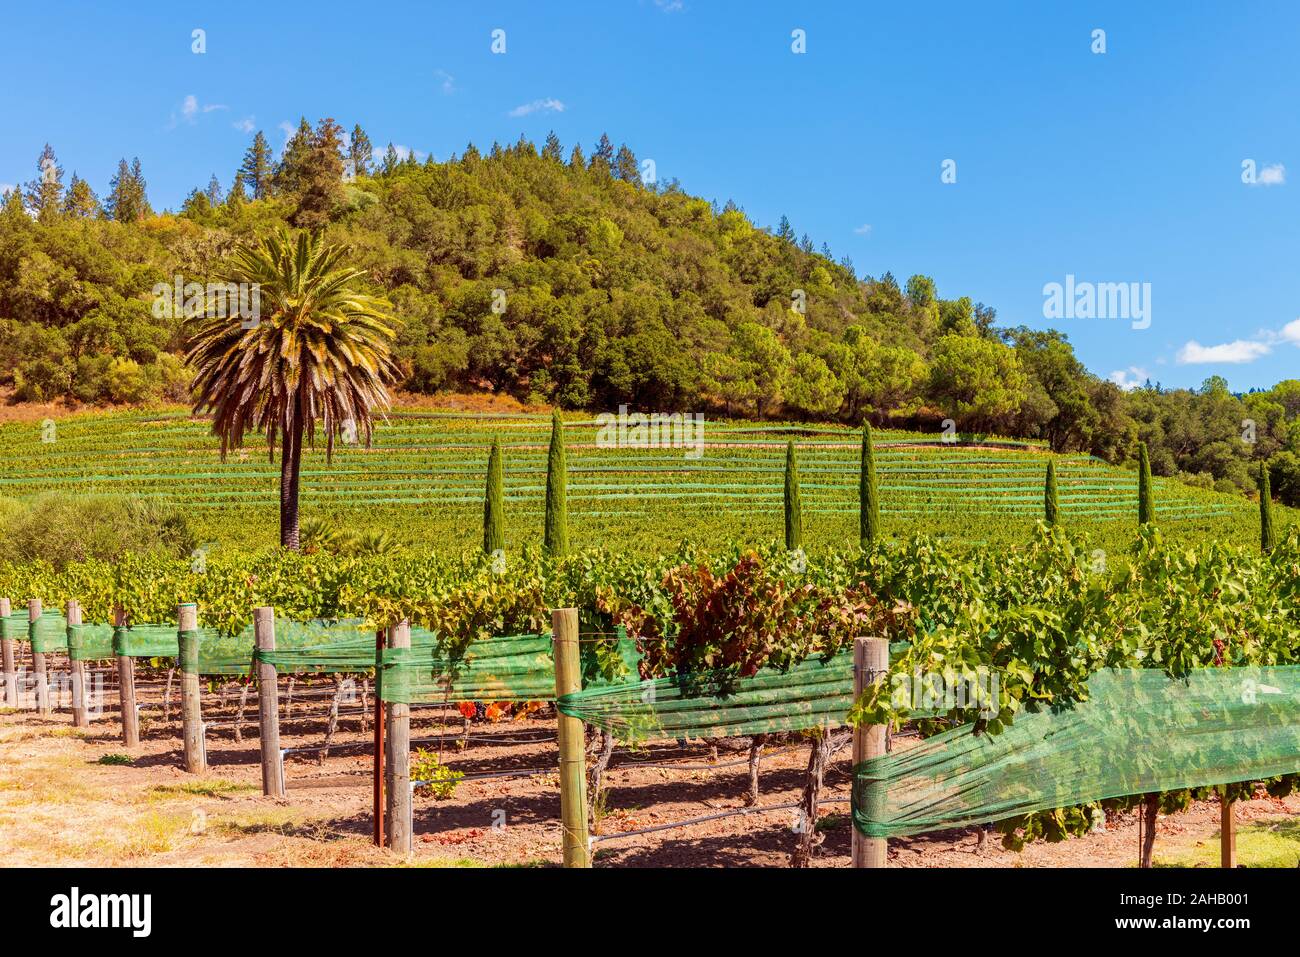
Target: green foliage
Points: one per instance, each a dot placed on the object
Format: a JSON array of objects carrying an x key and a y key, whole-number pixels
[
  {"x": 116, "y": 759},
  {"x": 494, "y": 534},
  {"x": 555, "y": 539},
  {"x": 793, "y": 503},
  {"x": 60, "y": 528},
  {"x": 868, "y": 492},
  {"x": 1146, "y": 495},
  {"x": 435, "y": 777}
]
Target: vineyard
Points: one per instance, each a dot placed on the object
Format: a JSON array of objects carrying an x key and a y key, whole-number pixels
[{"x": 422, "y": 480}]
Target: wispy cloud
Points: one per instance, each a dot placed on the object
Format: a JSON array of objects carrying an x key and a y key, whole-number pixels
[
  {"x": 863, "y": 230},
  {"x": 286, "y": 128},
  {"x": 1130, "y": 378},
  {"x": 1240, "y": 351},
  {"x": 191, "y": 109},
  {"x": 1274, "y": 175},
  {"x": 246, "y": 125},
  {"x": 670, "y": 6},
  {"x": 548, "y": 105},
  {"x": 447, "y": 82}
]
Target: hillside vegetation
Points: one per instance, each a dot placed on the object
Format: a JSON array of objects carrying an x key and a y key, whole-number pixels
[{"x": 560, "y": 279}]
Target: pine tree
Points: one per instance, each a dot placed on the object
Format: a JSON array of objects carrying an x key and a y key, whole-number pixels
[
  {"x": 793, "y": 503},
  {"x": 126, "y": 201},
  {"x": 576, "y": 159},
  {"x": 390, "y": 162},
  {"x": 320, "y": 177},
  {"x": 784, "y": 232},
  {"x": 196, "y": 206},
  {"x": 551, "y": 150},
  {"x": 1267, "y": 535},
  {"x": 288, "y": 174},
  {"x": 1050, "y": 503},
  {"x": 45, "y": 192},
  {"x": 13, "y": 207},
  {"x": 1146, "y": 496},
  {"x": 602, "y": 161},
  {"x": 215, "y": 196},
  {"x": 471, "y": 155},
  {"x": 625, "y": 166},
  {"x": 81, "y": 201},
  {"x": 494, "y": 533},
  {"x": 236, "y": 197},
  {"x": 556, "y": 539},
  {"x": 139, "y": 188},
  {"x": 258, "y": 169},
  {"x": 359, "y": 150},
  {"x": 868, "y": 492}
]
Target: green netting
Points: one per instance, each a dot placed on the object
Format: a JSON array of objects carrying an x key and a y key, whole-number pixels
[
  {"x": 717, "y": 704},
  {"x": 1139, "y": 732},
  {"x": 146, "y": 641},
  {"x": 511, "y": 668},
  {"x": 48, "y": 633},
  {"x": 220, "y": 654},
  {"x": 15, "y": 626},
  {"x": 321, "y": 647},
  {"x": 90, "y": 642}
]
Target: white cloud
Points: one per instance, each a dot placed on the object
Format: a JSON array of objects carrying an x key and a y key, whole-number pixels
[
  {"x": 245, "y": 125},
  {"x": 1130, "y": 378},
  {"x": 863, "y": 230},
  {"x": 448, "y": 82},
  {"x": 1274, "y": 175},
  {"x": 191, "y": 108},
  {"x": 1236, "y": 352},
  {"x": 548, "y": 105},
  {"x": 1240, "y": 350},
  {"x": 287, "y": 129}
]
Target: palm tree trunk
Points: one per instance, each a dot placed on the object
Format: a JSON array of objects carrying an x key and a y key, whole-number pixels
[{"x": 290, "y": 468}]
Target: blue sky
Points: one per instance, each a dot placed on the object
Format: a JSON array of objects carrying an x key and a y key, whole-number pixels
[{"x": 1115, "y": 167}]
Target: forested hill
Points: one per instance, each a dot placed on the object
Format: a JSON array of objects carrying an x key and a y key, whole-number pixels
[{"x": 558, "y": 278}]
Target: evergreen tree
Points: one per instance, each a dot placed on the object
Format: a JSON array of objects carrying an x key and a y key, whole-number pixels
[
  {"x": 576, "y": 159},
  {"x": 471, "y": 154},
  {"x": 258, "y": 169},
  {"x": 1267, "y": 536},
  {"x": 288, "y": 175},
  {"x": 784, "y": 232},
  {"x": 1050, "y": 503},
  {"x": 196, "y": 206},
  {"x": 556, "y": 539},
  {"x": 494, "y": 533},
  {"x": 602, "y": 161},
  {"x": 793, "y": 503},
  {"x": 868, "y": 491},
  {"x": 359, "y": 150},
  {"x": 237, "y": 197},
  {"x": 81, "y": 201},
  {"x": 390, "y": 161},
  {"x": 13, "y": 207},
  {"x": 551, "y": 150},
  {"x": 625, "y": 166},
  {"x": 320, "y": 177},
  {"x": 127, "y": 202},
  {"x": 214, "y": 193},
  {"x": 1146, "y": 495},
  {"x": 45, "y": 192}
]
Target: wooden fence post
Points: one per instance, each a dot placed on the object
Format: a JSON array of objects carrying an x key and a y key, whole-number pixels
[
  {"x": 870, "y": 665},
  {"x": 1227, "y": 833},
  {"x": 187, "y": 618},
  {"x": 78, "y": 669},
  {"x": 7, "y": 657},
  {"x": 380, "y": 831},
  {"x": 399, "y": 757},
  {"x": 34, "y": 610},
  {"x": 126, "y": 689},
  {"x": 268, "y": 704},
  {"x": 573, "y": 770}
]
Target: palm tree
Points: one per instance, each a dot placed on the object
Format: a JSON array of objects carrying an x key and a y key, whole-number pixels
[{"x": 318, "y": 353}]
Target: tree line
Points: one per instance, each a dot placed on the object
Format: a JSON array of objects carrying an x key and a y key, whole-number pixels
[{"x": 583, "y": 282}]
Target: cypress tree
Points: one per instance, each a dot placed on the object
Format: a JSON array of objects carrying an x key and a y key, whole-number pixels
[
  {"x": 1267, "y": 536},
  {"x": 793, "y": 506},
  {"x": 868, "y": 497},
  {"x": 494, "y": 533},
  {"x": 1049, "y": 497},
  {"x": 556, "y": 540},
  {"x": 1146, "y": 499}
]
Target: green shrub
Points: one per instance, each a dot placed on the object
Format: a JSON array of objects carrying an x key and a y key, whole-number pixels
[{"x": 437, "y": 779}]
